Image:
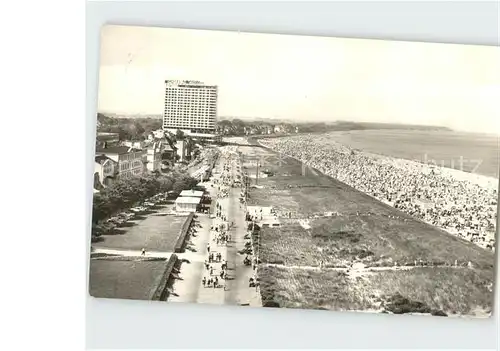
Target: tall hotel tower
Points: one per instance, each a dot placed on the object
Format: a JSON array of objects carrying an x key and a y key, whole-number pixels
[{"x": 190, "y": 106}]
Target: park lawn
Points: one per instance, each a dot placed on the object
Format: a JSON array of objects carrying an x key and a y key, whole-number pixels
[
  {"x": 154, "y": 233},
  {"x": 452, "y": 291},
  {"x": 136, "y": 280},
  {"x": 373, "y": 240}
]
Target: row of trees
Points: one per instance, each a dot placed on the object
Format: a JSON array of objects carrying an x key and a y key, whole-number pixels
[
  {"x": 128, "y": 128},
  {"x": 123, "y": 194}
]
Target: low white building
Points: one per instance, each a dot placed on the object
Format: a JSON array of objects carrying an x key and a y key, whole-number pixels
[
  {"x": 191, "y": 193},
  {"x": 187, "y": 204}
]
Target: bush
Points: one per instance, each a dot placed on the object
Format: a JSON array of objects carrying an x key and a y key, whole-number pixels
[
  {"x": 102, "y": 228},
  {"x": 270, "y": 303},
  {"x": 439, "y": 313},
  {"x": 398, "y": 304}
]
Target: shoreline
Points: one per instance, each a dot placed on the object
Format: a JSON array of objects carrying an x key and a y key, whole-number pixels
[
  {"x": 458, "y": 175},
  {"x": 478, "y": 178},
  {"x": 482, "y": 181}
]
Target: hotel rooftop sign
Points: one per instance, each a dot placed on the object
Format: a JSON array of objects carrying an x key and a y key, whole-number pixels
[{"x": 183, "y": 82}]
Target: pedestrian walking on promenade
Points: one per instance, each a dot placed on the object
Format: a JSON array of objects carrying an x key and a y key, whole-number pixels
[
  {"x": 208, "y": 248},
  {"x": 204, "y": 281},
  {"x": 143, "y": 252},
  {"x": 211, "y": 271}
]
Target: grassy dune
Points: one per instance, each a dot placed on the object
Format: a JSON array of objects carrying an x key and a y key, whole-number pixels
[
  {"x": 374, "y": 240},
  {"x": 310, "y": 200},
  {"x": 452, "y": 291}
]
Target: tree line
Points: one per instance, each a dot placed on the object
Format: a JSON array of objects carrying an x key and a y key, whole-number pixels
[
  {"x": 128, "y": 128},
  {"x": 125, "y": 193}
]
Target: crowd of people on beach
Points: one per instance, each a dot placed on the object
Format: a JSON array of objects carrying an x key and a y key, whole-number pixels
[{"x": 463, "y": 207}]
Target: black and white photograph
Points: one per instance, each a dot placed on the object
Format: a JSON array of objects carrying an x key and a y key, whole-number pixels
[{"x": 287, "y": 171}]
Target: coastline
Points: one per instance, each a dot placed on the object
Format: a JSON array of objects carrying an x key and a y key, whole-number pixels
[
  {"x": 456, "y": 174},
  {"x": 485, "y": 182}
]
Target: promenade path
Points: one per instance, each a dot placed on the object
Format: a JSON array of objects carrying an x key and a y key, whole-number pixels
[{"x": 234, "y": 290}]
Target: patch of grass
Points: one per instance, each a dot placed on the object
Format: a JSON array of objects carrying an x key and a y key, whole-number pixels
[
  {"x": 154, "y": 233},
  {"x": 443, "y": 289},
  {"x": 322, "y": 194},
  {"x": 436, "y": 291},
  {"x": 124, "y": 279},
  {"x": 102, "y": 254},
  {"x": 296, "y": 288},
  {"x": 374, "y": 240}
]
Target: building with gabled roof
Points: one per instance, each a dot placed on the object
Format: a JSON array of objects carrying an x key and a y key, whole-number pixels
[
  {"x": 105, "y": 171},
  {"x": 129, "y": 160}
]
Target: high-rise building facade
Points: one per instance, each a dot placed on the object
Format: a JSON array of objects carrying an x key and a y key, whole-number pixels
[{"x": 190, "y": 106}]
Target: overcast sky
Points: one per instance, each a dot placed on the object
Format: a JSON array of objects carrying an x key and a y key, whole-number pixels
[{"x": 304, "y": 78}]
